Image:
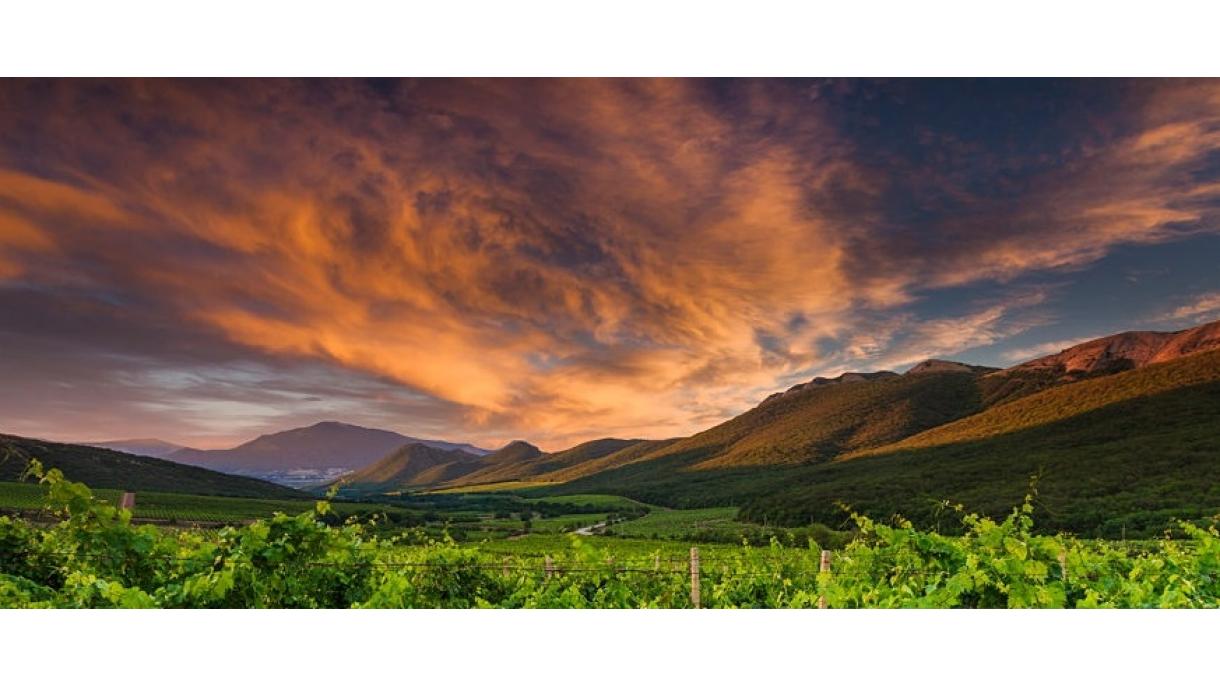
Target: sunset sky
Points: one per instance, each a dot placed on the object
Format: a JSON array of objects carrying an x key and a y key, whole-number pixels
[{"x": 205, "y": 261}]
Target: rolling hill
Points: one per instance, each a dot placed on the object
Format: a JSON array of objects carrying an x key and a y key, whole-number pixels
[
  {"x": 414, "y": 464},
  {"x": 1125, "y": 453},
  {"x": 815, "y": 423},
  {"x": 535, "y": 465},
  {"x": 104, "y": 468},
  {"x": 635, "y": 452},
  {"x": 1125, "y": 432}
]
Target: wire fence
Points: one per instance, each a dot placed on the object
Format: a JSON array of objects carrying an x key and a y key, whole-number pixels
[{"x": 722, "y": 567}]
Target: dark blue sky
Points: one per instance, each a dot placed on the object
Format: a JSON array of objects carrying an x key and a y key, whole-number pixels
[{"x": 202, "y": 261}]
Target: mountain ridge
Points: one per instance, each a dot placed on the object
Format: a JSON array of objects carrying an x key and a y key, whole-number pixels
[
  {"x": 824, "y": 419},
  {"x": 410, "y": 465},
  {"x": 892, "y": 443},
  {"x": 1128, "y": 349},
  {"x": 326, "y": 444},
  {"x": 148, "y": 447}
]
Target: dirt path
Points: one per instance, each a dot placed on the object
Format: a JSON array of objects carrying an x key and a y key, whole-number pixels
[{"x": 591, "y": 529}]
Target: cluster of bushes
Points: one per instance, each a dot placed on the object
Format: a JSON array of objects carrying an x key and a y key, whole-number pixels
[{"x": 818, "y": 535}]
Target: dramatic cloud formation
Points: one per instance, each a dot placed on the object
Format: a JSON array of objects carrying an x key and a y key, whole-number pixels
[{"x": 553, "y": 260}]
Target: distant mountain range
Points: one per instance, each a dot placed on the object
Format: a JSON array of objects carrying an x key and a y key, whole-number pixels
[
  {"x": 148, "y": 447},
  {"x": 105, "y": 468},
  {"x": 1122, "y": 432},
  {"x": 320, "y": 446},
  {"x": 416, "y": 465}
]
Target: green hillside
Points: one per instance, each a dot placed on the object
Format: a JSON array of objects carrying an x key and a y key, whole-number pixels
[
  {"x": 632, "y": 453},
  {"x": 821, "y": 423},
  {"x": 740, "y": 458},
  {"x": 1119, "y": 454},
  {"x": 102, "y": 468},
  {"x": 1061, "y": 402},
  {"x": 536, "y": 465},
  {"x": 414, "y": 464}
]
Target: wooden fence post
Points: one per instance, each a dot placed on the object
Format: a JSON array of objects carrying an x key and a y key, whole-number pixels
[
  {"x": 128, "y": 501},
  {"x": 824, "y": 568},
  {"x": 549, "y": 567},
  {"x": 694, "y": 577},
  {"x": 1063, "y": 565}
]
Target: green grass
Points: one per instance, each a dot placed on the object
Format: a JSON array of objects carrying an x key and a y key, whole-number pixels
[
  {"x": 681, "y": 523},
  {"x": 564, "y": 523},
  {"x": 183, "y": 507},
  {"x": 493, "y": 487},
  {"x": 539, "y": 544},
  {"x": 594, "y": 500}
]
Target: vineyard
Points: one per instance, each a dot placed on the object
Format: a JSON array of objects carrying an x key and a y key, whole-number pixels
[
  {"x": 92, "y": 555},
  {"x": 174, "y": 508}
]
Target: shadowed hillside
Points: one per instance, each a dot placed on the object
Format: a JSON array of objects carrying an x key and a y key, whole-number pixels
[{"x": 103, "y": 468}]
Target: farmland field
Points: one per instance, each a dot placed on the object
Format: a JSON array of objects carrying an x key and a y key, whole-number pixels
[
  {"x": 494, "y": 487},
  {"x": 667, "y": 523},
  {"x": 95, "y": 557},
  {"x": 180, "y": 507}
]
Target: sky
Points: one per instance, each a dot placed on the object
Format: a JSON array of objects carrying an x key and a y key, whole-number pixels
[{"x": 558, "y": 260}]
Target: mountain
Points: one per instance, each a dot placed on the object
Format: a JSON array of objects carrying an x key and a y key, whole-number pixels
[
  {"x": 414, "y": 464},
  {"x": 520, "y": 461},
  {"x": 515, "y": 452},
  {"x": 1111, "y": 425},
  {"x": 148, "y": 447},
  {"x": 1120, "y": 352},
  {"x": 809, "y": 423},
  {"x": 318, "y": 447},
  {"x": 846, "y": 377},
  {"x": 635, "y": 452},
  {"x": 1126, "y": 453},
  {"x": 419, "y": 465},
  {"x": 1100, "y": 357},
  {"x": 1123, "y": 433},
  {"x": 104, "y": 468},
  {"x": 936, "y": 366}
]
